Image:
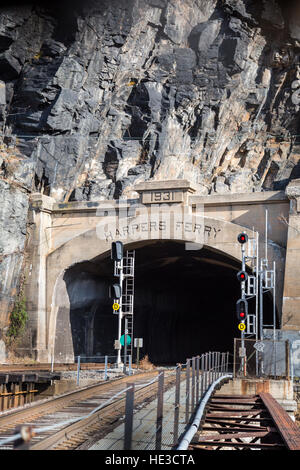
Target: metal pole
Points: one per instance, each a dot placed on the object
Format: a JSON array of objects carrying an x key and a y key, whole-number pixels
[
  {"x": 206, "y": 373},
  {"x": 274, "y": 317},
  {"x": 193, "y": 385},
  {"x": 215, "y": 366},
  {"x": 234, "y": 358},
  {"x": 125, "y": 345},
  {"x": 187, "y": 389},
  {"x": 257, "y": 299},
  {"x": 130, "y": 364},
  {"x": 119, "y": 361},
  {"x": 274, "y": 300},
  {"x": 243, "y": 286},
  {"x": 261, "y": 305},
  {"x": 138, "y": 354},
  {"x": 105, "y": 367},
  {"x": 261, "y": 317},
  {"x": 159, "y": 419},
  {"x": 202, "y": 375},
  {"x": 197, "y": 377},
  {"x": 78, "y": 369},
  {"x": 177, "y": 405},
  {"x": 266, "y": 237},
  {"x": 129, "y": 416}
]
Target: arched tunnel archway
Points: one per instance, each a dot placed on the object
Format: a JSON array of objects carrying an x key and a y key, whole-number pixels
[{"x": 184, "y": 304}]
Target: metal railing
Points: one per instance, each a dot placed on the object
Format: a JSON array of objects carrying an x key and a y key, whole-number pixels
[
  {"x": 164, "y": 422},
  {"x": 174, "y": 410},
  {"x": 109, "y": 364},
  {"x": 264, "y": 358}
]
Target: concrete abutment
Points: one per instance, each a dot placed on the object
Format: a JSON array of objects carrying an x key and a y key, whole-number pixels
[{"x": 67, "y": 235}]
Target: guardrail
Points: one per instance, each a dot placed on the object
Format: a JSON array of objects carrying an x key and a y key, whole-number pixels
[
  {"x": 109, "y": 364},
  {"x": 175, "y": 409}
]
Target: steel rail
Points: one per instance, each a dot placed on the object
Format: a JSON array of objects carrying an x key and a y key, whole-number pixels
[
  {"x": 37, "y": 409},
  {"x": 230, "y": 418},
  {"x": 75, "y": 434},
  {"x": 288, "y": 430},
  {"x": 76, "y": 430}
]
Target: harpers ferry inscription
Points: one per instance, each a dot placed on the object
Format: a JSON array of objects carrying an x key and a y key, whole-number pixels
[{"x": 182, "y": 228}]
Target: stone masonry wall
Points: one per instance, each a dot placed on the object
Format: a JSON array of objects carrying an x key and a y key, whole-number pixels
[{"x": 99, "y": 95}]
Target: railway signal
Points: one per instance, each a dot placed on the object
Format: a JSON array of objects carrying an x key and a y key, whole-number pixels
[
  {"x": 117, "y": 257},
  {"x": 128, "y": 339},
  {"x": 242, "y": 309},
  {"x": 117, "y": 251},
  {"x": 122, "y": 293},
  {"x": 242, "y": 276},
  {"x": 242, "y": 238},
  {"x": 116, "y": 291}
]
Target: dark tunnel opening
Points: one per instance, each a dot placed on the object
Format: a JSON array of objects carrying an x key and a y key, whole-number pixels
[{"x": 184, "y": 305}]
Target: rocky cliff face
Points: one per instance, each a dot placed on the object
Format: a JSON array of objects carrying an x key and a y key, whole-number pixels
[{"x": 96, "y": 98}]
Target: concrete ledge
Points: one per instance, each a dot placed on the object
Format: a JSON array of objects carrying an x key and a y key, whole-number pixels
[
  {"x": 162, "y": 185},
  {"x": 281, "y": 390},
  {"x": 266, "y": 197}
]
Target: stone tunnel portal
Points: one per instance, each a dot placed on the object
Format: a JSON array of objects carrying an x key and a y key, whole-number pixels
[{"x": 184, "y": 304}]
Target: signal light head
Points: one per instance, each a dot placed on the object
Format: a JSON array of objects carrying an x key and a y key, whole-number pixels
[
  {"x": 242, "y": 276},
  {"x": 117, "y": 251},
  {"x": 241, "y": 309},
  {"x": 115, "y": 291},
  {"x": 242, "y": 238}
]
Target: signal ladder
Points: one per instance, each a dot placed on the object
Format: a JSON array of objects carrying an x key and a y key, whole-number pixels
[
  {"x": 128, "y": 293},
  {"x": 252, "y": 285},
  {"x": 263, "y": 280}
]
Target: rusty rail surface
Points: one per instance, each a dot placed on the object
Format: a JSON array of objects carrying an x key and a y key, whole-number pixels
[
  {"x": 288, "y": 430},
  {"x": 246, "y": 422}
]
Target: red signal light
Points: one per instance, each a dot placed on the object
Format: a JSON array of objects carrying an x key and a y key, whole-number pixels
[
  {"x": 242, "y": 276},
  {"x": 242, "y": 238},
  {"x": 241, "y": 309}
]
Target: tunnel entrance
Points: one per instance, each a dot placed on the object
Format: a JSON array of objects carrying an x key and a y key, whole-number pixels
[{"x": 184, "y": 304}]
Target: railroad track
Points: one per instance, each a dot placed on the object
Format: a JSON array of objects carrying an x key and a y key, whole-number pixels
[
  {"x": 246, "y": 422},
  {"x": 6, "y": 368},
  {"x": 52, "y": 416}
]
